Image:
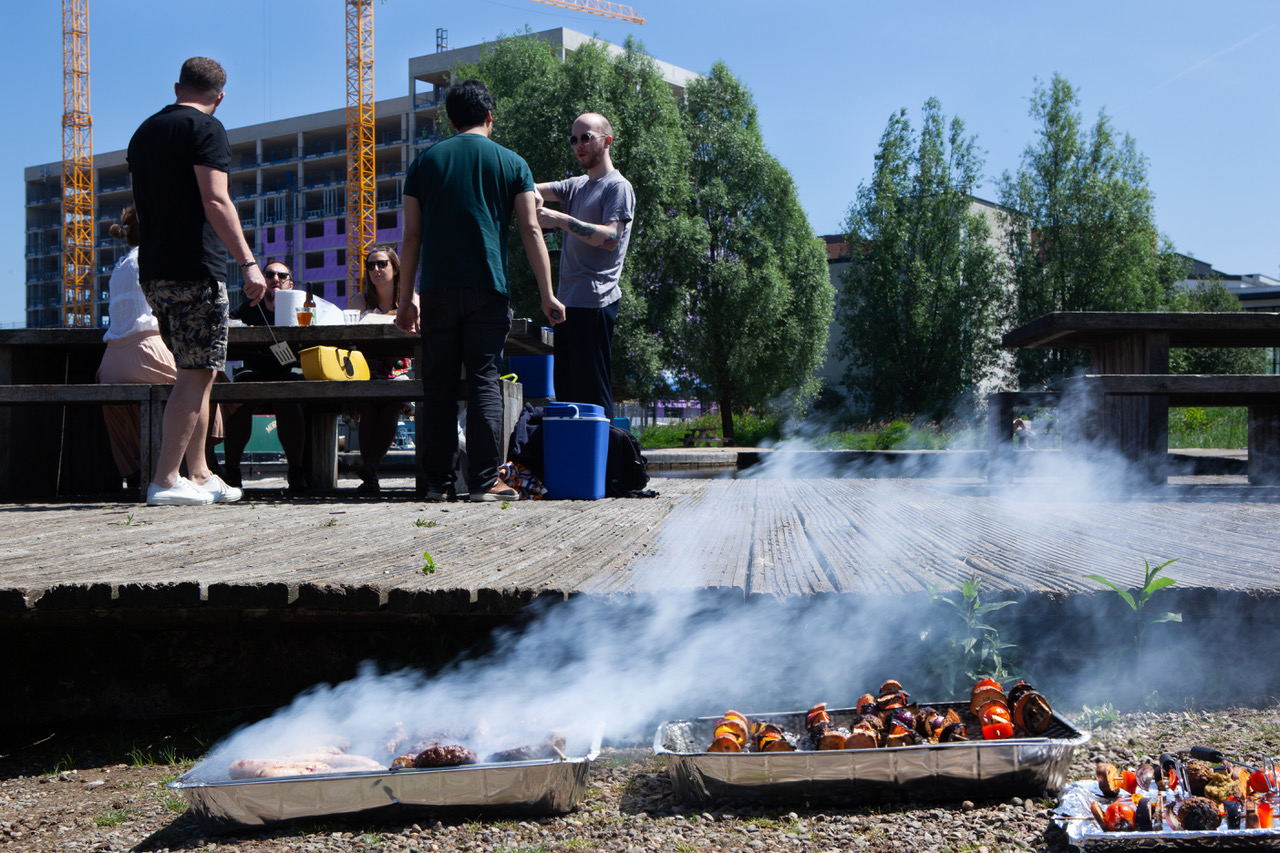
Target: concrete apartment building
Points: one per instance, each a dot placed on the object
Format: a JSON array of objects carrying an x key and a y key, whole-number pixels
[{"x": 287, "y": 179}]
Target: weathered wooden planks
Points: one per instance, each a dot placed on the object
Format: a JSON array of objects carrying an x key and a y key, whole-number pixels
[{"x": 779, "y": 537}]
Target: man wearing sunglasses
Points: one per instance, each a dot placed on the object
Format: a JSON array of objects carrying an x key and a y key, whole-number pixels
[
  {"x": 263, "y": 367},
  {"x": 597, "y": 211}
]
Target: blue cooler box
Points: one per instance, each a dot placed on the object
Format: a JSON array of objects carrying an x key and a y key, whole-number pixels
[
  {"x": 575, "y": 440},
  {"x": 534, "y": 373}
]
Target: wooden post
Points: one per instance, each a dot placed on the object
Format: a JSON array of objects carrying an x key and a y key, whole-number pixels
[
  {"x": 1264, "y": 445},
  {"x": 1136, "y": 426}
]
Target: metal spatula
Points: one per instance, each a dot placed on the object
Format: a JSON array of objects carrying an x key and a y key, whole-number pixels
[{"x": 280, "y": 349}]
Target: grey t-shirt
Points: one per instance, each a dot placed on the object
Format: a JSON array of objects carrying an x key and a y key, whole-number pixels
[{"x": 589, "y": 275}]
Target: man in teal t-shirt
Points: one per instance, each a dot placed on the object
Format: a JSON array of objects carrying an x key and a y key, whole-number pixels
[{"x": 459, "y": 198}]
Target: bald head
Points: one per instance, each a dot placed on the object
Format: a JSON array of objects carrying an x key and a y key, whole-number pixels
[{"x": 595, "y": 122}]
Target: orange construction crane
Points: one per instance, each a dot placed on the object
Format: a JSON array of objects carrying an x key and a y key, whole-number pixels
[
  {"x": 77, "y": 168},
  {"x": 361, "y": 166},
  {"x": 598, "y": 7}
]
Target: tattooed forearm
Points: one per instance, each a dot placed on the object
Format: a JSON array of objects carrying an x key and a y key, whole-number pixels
[
  {"x": 582, "y": 229},
  {"x": 587, "y": 231}
]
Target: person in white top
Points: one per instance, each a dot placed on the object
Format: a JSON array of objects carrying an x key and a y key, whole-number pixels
[{"x": 135, "y": 353}]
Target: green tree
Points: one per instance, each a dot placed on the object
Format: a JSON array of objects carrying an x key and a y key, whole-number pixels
[
  {"x": 1212, "y": 296},
  {"x": 1082, "y": 236},
  {"x": 756, "y": 296},
  {"x": 923, "y": 298},
  {"x": 537, "y": 96}
]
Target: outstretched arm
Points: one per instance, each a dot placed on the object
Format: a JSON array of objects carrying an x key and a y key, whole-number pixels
[
  {"x": 605, "y": 236},
  {"x": 531, "y": 235}
]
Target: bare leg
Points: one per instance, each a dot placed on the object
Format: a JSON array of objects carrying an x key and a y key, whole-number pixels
[
  {"x": 197, "y": 460},
  {"x": 188, "y": 409}
]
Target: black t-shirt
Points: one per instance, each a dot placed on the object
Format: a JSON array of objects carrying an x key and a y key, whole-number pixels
[{"x": 177, "y": 241}]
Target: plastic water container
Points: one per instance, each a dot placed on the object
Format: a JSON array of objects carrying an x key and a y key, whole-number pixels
[
  {"x": 575, "y": 450},
  {"x": 535, "y": 373}
]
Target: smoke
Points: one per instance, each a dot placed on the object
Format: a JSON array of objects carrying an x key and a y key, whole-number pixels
[{"x": 775, "y": 617}]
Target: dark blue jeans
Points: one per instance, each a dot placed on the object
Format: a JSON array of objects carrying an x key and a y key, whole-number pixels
[
  {"x": 463, "y": 327},
  {"x": 583, "y": 370}
]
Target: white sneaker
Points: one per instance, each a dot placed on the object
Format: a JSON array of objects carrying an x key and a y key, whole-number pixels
[
  {"x": 222, "y": 493},
  {"x": 181, "y": 493}
]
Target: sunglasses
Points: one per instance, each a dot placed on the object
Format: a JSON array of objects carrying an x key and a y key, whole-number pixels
[
  {"x": 585, "y": 139},
  {"x": 283, "y": 276},
  {"x": 380, "y": 265}
]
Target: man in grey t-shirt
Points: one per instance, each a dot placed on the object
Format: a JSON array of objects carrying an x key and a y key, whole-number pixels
[{"x": 597, "y": 211}]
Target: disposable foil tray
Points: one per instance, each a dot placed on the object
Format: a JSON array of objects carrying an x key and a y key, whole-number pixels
[
  {"x": 1028, "y": 766},
  {"x": 535, "y": 787},
  {"x": 1074, "y": 817}
]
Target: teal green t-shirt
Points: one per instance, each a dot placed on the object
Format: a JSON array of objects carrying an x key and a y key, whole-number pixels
[{"x": 466, "y": 186}]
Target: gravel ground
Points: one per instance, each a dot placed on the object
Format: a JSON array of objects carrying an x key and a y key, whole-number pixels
[{"x": 50, "y": 802}]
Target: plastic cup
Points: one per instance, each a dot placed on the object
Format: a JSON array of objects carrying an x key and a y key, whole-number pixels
[
  {"x": 350, "y": 316},
  {"x": 304, "y": 318}
]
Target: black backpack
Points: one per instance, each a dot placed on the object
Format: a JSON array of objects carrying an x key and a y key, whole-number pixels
[{"x": 626, "y": 471}]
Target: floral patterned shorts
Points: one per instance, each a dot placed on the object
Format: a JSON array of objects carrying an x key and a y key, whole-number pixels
[{"x": 193, "y": 320}]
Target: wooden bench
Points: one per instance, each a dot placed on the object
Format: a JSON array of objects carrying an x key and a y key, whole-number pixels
[
  {"x": 703, "y": 437},
  {"x": 1257, "y": 392},
  {"x": 324, "y": 421}
]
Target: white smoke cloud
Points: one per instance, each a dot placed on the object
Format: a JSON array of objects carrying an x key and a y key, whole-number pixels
[{"x": 675, "y": 649}]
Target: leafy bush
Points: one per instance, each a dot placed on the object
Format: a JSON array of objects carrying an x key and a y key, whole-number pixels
[
  {"x": 1221, "y": 428},
  {"x": 750, "y": 430}
]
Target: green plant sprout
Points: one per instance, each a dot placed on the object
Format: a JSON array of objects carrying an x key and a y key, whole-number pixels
[
  {"x": 422, "y": 522},
  {"x": 972, "y": 648},
  {"x": 430, "y": 566},
  {"x": 1150, "y": 586}
]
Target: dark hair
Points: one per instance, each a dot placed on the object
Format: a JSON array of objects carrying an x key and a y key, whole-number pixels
[
  {"x": 282, "y": 263},
  {"x": 366, "y": 287},
  {"x": 203, "y": 75},
  {"x": 127, "y": 227},
  {"x": 468, "y": 103}
]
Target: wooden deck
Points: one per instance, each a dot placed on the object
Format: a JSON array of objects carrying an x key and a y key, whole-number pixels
[{"x": 757, "y": 536}]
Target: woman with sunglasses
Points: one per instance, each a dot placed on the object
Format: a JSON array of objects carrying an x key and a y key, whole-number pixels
[{"x": 378, "y": 421}]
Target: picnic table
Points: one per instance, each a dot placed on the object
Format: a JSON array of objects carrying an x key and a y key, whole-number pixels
[
  {"x": 1128, "y": 390},
  {"x": 57, "y": 443}
]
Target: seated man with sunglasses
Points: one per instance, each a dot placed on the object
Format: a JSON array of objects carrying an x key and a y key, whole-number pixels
[
  {"x": 290, "y": 421},
  {"x": 598, "y": 209}
]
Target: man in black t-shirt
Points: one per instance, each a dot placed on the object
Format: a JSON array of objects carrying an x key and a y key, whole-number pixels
[{"x": 178, "y": 159}]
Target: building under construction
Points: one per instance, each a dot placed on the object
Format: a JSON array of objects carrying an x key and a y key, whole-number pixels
[{"x": 288, "y": 179}]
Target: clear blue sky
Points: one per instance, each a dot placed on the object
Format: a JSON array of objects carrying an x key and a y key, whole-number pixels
[{"x": 1194, "y": 83}]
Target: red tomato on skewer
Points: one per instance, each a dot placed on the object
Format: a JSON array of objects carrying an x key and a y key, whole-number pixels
[
  {"x": 1129, "y": 781},
  {"x": 1261, "y": 783},
  {"x": 997, "y": 731},
  {"x": 1120, "y": 817}
]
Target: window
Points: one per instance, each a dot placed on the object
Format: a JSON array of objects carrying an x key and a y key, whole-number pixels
[
  {"x": 315, "y": 229},
  {"x": 388, "y": 221},
  {"x": 342, "y": 257},
  {"x": 313, "y": 260}
]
